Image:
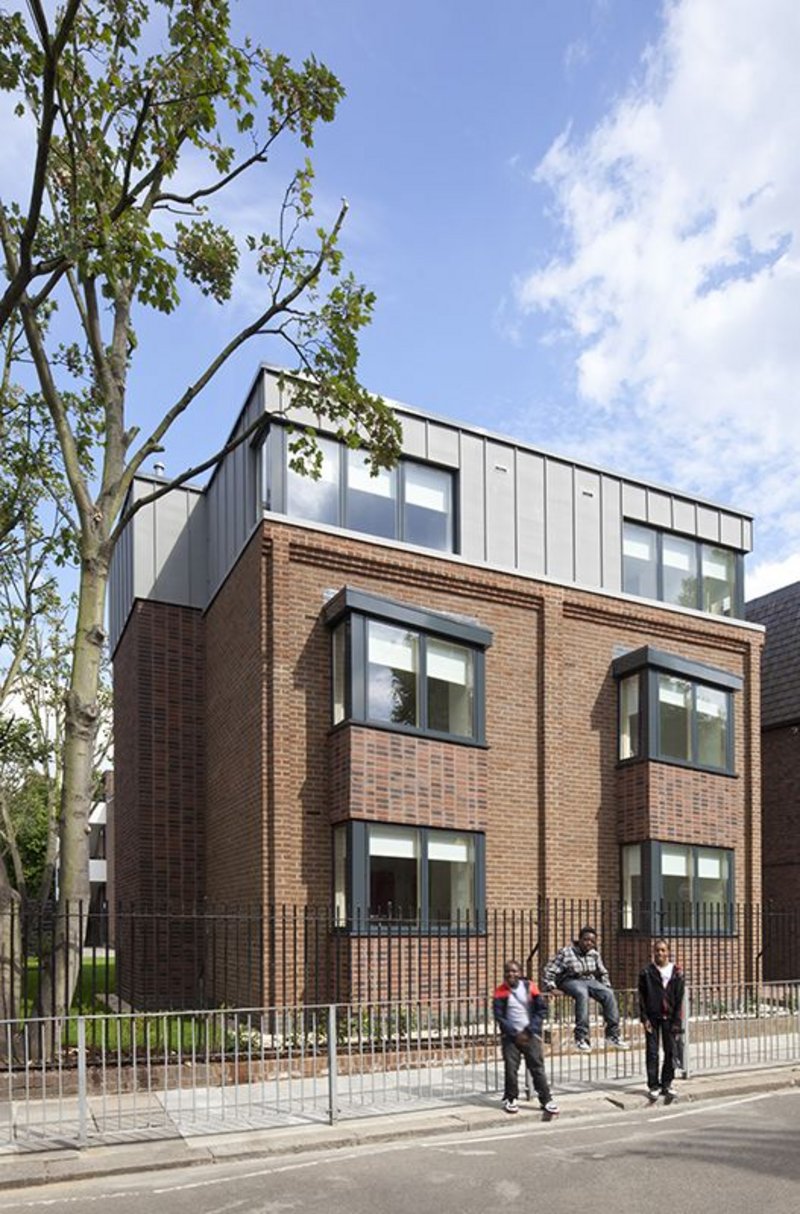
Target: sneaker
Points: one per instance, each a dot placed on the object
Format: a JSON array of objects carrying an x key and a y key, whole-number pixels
[
  {"x": 584, "y": 1047},
  {"x": 618, "y": 1044},
  {"x": 551, "y": 1109},
  {"x": 653, "y": 1095},
  {"x": 669, "y": 1095},
  {"x": 511, "y": 1106}
]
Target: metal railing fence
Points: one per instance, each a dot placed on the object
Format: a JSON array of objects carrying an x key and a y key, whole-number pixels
[
  {"x": 162, "y": 959},
  {"x": 129, "y": 1075}
]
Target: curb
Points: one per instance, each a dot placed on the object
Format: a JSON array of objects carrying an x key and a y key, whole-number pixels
[{"x": 130, "y": 1158}]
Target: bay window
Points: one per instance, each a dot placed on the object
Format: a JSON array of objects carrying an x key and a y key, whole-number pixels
[
  {"x": 675, "y": 710},
  {"x": 416, "y": 877},
  {"x": 403, "y": 668},
  {"x": 677, "y": 888}
]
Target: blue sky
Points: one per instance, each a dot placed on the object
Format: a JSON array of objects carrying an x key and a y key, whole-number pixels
[{"x": 579, "y": 218}]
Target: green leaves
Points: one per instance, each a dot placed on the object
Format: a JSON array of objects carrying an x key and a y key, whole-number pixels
[{"x": 208, "y": 256}]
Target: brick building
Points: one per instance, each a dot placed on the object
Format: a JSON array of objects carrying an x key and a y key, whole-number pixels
[
  {"x": 779, "y": 612},
  {"x": 490, "y": 678}
]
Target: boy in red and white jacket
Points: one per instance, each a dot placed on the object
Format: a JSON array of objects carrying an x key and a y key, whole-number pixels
[{"x": 519, "y": 1010}]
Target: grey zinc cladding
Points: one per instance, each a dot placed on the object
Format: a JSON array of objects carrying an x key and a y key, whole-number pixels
[
  {"x": 517, "y": 507},
  {"x": 779, "y": 612}
]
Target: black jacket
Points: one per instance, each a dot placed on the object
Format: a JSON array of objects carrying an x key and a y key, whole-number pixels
[{"x": 657, "y": 1002}]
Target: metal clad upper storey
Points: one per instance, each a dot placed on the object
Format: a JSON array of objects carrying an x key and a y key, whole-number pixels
[
  {"x": 517, "y": 508},
  {"x": 161, "y": 554}
]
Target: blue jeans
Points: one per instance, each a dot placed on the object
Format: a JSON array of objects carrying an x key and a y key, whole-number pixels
[{"x": 584, "y": 989}]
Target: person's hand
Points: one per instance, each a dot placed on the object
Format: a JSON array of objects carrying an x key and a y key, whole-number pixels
[
  {"x": 648, "y": 1028},
  {"x": 522, "y": 1037}
]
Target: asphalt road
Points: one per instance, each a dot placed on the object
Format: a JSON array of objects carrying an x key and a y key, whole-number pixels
[{"x": 734, "y": 1156}]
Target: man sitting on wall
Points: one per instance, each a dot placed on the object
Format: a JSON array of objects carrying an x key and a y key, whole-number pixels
[{"x": 579, "y": 972}]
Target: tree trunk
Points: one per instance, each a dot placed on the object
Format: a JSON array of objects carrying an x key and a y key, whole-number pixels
[
  {"x": 80, "y": 732},
  {"x": 10, "y": 966}
]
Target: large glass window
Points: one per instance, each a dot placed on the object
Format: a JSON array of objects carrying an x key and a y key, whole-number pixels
[
  {"x": 449, "y": 672},
  {"x": 405, "y": 671},
  {"x": 339, "y": 639},
  {"x": 676, "y": 569},
  {"x": 392, "y": 674},
  {"x": 393, "y": 872},
  {"x": 371, "y": 502},
  {"x": 629, "y": 739},
  {"x": 427, "y": 506},
  {"x": 413, "y": 502},
  {"x": 416, "y": 877},
  {"x": 639, "y": 566},
  {"x": 451, "y": 876},
  {"x": 711, "y": 706},
  {"x": 668, "y": 711},
  {"x": 679, "y": 564},
  {"x": 719, "y": 580},
  {"x": 317, "y": 500},
  {"x": 677, "y": 887},
  {"x": 674, "y": 718}
]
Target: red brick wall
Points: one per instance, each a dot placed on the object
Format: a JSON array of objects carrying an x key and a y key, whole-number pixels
[
  {"x": 781, "y": 816},
  {"x": 388, "y": 777},
  {"x": 547, "y": 790},
  {"x": 159, "y": 799}
]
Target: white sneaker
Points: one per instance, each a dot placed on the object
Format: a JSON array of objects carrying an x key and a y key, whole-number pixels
[
  {"x": 551, "y": 1109},
  {"x": 618, "y": 1044},
  {"x": 669, "y": 1095},
  {"x": 584, "y": 1046},
  {"x": 511, "y": 1106},
  {"x": 653, "y": 1095}
]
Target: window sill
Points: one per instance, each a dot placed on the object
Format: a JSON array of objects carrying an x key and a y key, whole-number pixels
[
  {"x": 621, "y": 764},
  {"x": 409, "y": 732}
]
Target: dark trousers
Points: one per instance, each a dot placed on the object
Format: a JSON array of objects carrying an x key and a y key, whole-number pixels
[
  {"x": 661, "y": 1035},
  {"x": 533, "y": 1053}
]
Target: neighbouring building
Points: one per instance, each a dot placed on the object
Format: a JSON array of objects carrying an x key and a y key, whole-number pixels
[
  {"x": 490, "y": 678},
  {"x": 779, "y": 613}
]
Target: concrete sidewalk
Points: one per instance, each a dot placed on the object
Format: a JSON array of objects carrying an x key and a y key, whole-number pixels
[{"x": 38, "y": 1168}]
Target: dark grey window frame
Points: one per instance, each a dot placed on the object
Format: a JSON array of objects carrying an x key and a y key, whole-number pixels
[
  {"x": 353, "y": 609},
  {"x": 274, "y": 488},
  {"x": 737, "y": 609},
  {"x": 647, "y": 663},
  {"x": 651, "y": 913},
  {"x": 360, "y": 922}
]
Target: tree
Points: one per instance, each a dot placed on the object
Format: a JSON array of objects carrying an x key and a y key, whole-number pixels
[{"x": 124, "y": 236}]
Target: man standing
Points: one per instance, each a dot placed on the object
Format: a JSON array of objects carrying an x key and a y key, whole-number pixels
[
  {"x": 661, "y": 988},
  {"x": 519, "y": 1010},
  {"x": 579, "y": 972}
]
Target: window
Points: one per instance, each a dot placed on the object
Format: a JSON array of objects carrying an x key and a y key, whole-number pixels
[
  {"x": 676, "y": 887},
  {"x": 629, "y": 740},
  {"x": 371, "y": 501},
  {"x": 412, "y": 502},
  {"x": 675, "y": 710},
  {"x": 392, "y": 674},
  {"x": 402, "y": 668},
  {"x": 676, "y": 569},
  {"x": 414, "y": 877},
  {"x": 427, "y": 506},
  {"x": 316, "y": 500}
]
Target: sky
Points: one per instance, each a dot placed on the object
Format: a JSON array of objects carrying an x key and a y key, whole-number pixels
[{"x": 580, "y": 221}]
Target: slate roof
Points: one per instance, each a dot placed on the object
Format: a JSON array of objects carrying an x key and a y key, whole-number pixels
[{"x": 779, "y": 612}]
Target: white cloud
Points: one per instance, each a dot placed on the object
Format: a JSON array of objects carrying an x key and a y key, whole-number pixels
[
  {"x": 680, "y": 280},
  {"x": 772, "y": 575}
]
